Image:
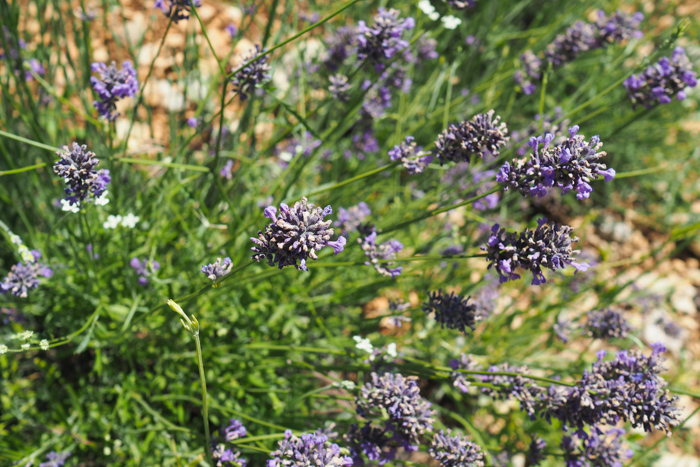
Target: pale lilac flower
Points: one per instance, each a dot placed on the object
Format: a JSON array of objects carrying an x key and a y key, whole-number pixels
[{"x": 112, "y": 86}]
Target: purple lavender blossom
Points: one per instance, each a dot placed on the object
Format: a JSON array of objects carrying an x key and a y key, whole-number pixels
[
  {"x": 562, "y": 329},
  {"x": 407, "y": 153},
  {"x": 232, "y": 30},
  {"x": 568, "y": 46},
  {"x": 481, "y": 135},
  {"x": 383, "y": 40},
  {"x": 217, "y": 270},
  {"x": 455, "y": 451},
  {"x": 659, "y": 83},
  {"x": 144, "y": 269},
  {"x": 536, "y": 452},
  {"x": 296, "y": 235},
  {"x": 309, "y": 450},
  {"x": 178, "y": 9},
  {"x": 425, "y": 49},
  {"x": 466, "y": 362},
  {"x": 532, "y": 65},
  {"x": 227, "y": 170},
  {"x": 350, "y": 219},
  {"x": 363, "y": 144},
  {"x": 192, "y": 122},
  {"x": 233, "y": 431},
  {"x": 112, "y": 86},
  {"x": 606, "y": 324},
  {"x": 373, "y": 442},
  {"x": 521, "y": 138},
  {"x": 409, "y": 414},
  {"x": 619, "y": 27},
  {"x": 460, "y": 4},
  {"x": 224, "y": 456},
  {"x": 573, "y": 164},
  {"x": 339, "y": 87},
  {"x": 395, "y": 308},
  {"x": 598, "y": 448},
  {"x": 547, "y": 246},
  {"x": 340, "y": 46},
  {"x": 77, "y": 167},
  {"x": 254, "y": 73},
  {"x": 452, "y": 311},
  {"x": 377, "y": 253},
  {"x": 24, "y": 277},
  {"x": 34, "y": 66},
  {"x": 56, "y": 459},
  {"x": 513, "y": 386},
  {"x": 376, "y": 101}
]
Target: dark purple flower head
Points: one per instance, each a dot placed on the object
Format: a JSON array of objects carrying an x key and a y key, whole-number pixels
[
  {"x": 254, "y": 73},
  {"x": 573, "y": 164},
  {"x": 535, "y": 453},
  {"x": 455, "y": 451},
  {"x": 233, "y": 431},
  {"x": 297, "y": 233},
  {"x": 56, "y": 459},
  {"x": 659, "y": 83},
  {"x": 452, "y": 311},
  {"x": 312, "y": 449},
  {"x": 217, "y": 270},
  {"x": 178, "y": 9},
  {"x": 461, "y": 4},
  {"x": 598, "y": 448},
  {"x": 407, "y": 152},
  {"x": 112, "y": 86},
  {"x": 409, "y": 414},
  {"x": 606, "y": 324},
  {"x": 339, "y": 87},
  {"x": 376, "y": 253},
  {"x": 24, "y": 277},
  {"x": 546, "y": 246},
  {"x": 77, "y": 167},
  {"x": 227, "y": 170},
  {"x": 481, "y": 135},
  {"x": 619, "y": 27},
  {"x": 383, "y": 40},
  {"x": 568, "y": 46}
]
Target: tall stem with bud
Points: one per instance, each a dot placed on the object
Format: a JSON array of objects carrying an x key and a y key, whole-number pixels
[{"x": 192, "y": 326}]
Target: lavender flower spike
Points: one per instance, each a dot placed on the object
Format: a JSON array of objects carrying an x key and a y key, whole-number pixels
[
  {"x": 178, "y": 9},
  {"x": 659, "y": 83},
  {"x": 217, "y": 270},
  {"x": 407, "y": 152},
  {"x": 113, "y": 86},
  {"x": 606, "y": 324},
  {"x": 24, "y": 277},
  {"x": 452, "y": 311},
  {"x": 383, "y": 251},
  {"x": 252, "y": 74},
  {"x": 295, "y": 235},
  {"x": 481, "y": 135},
  {"x": 547, "y": 246},
  {"x": 455, "y": 451},
  {"x": 77, "y": 167},
  {"x": 312, "y": 449},
  {"x": 573, "y": 164},
  {"x": 383, "y": 40}
]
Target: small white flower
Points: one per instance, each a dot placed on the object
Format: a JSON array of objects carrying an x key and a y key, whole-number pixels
[
  {"x": 426, "y": 7},
  {"x": 434, "y": 16},
  {"x": 3, "y": 349},
  {"x": 391, "y": 350},
  {"x": 363, "y": 344},
  {"x": 15, "y": 239},
  {"x": 286, "y": 156},
  {"x": 451, "y": 22},
  {"x": 112, "y": 222},
  {"x": 102, "y": 200},
  {"x": 67, "y": 207},
  {"x": 23, "y": 336},
  {"x": 130, "y": 220},
  {"x": 26, "y": 346},
  {"x": 44, "y": 344}
]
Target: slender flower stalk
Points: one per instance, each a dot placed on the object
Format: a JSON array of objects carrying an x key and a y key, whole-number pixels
[{"x": 192, "y": 326}]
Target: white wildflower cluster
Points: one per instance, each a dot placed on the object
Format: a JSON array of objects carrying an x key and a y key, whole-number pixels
[
  {"x": 129, "y": 221},
  {"x": 450, "y": 22},
  {"x": 101, "y": 200}
]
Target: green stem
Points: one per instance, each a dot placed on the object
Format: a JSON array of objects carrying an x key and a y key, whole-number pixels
[{"x": 205, "y": 410}]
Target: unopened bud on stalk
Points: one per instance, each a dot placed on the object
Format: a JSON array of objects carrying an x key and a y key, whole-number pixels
[{"x": 192, "y": 325}]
